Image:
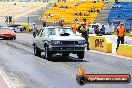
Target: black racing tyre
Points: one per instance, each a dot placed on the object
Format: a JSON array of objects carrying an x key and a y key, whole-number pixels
[
  {"x": 11, "y": 38},
  {"x": 37, "y": 51},
  {"x": 14, "y": 38},
  {"x": 5, "y": 38},
  {"x": 80, "y": 55},
  {"x": 47, "y": 53},
  {"x": 65, "y": 54}
]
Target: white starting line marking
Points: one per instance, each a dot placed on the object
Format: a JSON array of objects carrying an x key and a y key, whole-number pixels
[{"x": 7, "y": 80}]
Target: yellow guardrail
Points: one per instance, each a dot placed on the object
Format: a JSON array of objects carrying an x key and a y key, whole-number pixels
[
  {"x": 125, "y": 50},
  {"x": 100, "y": 43}
]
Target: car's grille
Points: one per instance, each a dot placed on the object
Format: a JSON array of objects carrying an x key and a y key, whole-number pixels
[
  {"x": 69, "y": 42},
  {"x": 7, "y": 34}
]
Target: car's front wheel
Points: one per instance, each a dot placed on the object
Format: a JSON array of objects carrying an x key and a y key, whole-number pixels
[
  {"x": 37, "y": 51},
  {"x": 80, "y": 55},
  {"x": 14, "y": 38},
  {"x": 5, "y": 38},
  {"x": 47, "y": 53},
  {"x": 11, "y": 38}
]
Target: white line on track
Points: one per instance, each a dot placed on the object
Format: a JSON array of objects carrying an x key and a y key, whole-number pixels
[
  {"x": 112, "y": 54},
  {"x": 7, "y": 80}
]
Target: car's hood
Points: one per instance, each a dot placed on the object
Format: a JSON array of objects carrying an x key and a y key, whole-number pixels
[
  {"x": 54, "y": 37},
  {"x": 7, "y": 32}
]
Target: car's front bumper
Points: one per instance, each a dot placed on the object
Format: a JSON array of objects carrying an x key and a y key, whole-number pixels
[
  {"x": 7, "y": 36},
  {"x": 69, "y": 48}
]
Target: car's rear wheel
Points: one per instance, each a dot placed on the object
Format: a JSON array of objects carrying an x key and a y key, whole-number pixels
[
  {"x": 80, "y": 55},
  {"x": 37, "y": 51},
  {"x": 11, "y": 38}
]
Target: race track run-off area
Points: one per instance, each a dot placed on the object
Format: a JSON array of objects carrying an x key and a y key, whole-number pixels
[{"x": 21, "y": 69}]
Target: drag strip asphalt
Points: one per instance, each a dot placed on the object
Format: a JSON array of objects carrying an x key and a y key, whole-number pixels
[{"x": 28, "y": 71}]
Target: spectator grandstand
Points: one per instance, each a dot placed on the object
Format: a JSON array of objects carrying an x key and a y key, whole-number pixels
[
  {"x": 71, "y": 10},
  {"x": 121, "y": 11},
  {"x": 28, "y": 0},
  {"x": 18, "y": 9}
]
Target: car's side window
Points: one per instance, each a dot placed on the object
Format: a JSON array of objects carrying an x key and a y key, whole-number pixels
[
  {"x": 46, "y": 32},
  {"x": 51, "y": 32}
]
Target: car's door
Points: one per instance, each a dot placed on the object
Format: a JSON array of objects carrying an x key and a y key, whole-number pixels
[
  {"x": 38, "y": 38},
  {"x": 44, "y": 38},
  {"x": 41, "y": 43}
]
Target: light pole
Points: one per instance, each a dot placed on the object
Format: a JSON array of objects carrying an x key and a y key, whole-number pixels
[
  {"x": 28, "y": 19},
  {"x": 13, "y": 12}
]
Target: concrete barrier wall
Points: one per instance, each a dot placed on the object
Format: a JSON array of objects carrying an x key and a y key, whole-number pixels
[
  {"x": 100, "y": 43},
  {"x": 125, "y": 50}
]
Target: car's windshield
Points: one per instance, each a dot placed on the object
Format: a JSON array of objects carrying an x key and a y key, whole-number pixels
[
  {"x": 59, "y": 31},
  {"x": 66, "y": 30},
  {"x": 50, "y": 31},
  {"x": 6, "y": 28}
]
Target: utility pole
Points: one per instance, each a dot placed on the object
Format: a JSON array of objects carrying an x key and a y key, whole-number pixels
[{"x": 28, "y": 19}]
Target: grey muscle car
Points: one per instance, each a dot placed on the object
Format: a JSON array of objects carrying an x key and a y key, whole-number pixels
[{"x": 62, "y": 40}]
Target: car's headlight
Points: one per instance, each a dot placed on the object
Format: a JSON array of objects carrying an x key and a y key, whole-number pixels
[
  {"x": 81, "y": 42},
  {"x": 55, "y": 42},
  {"x": 1, "y": 33},
  {"x": 12, "y": 34}
]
